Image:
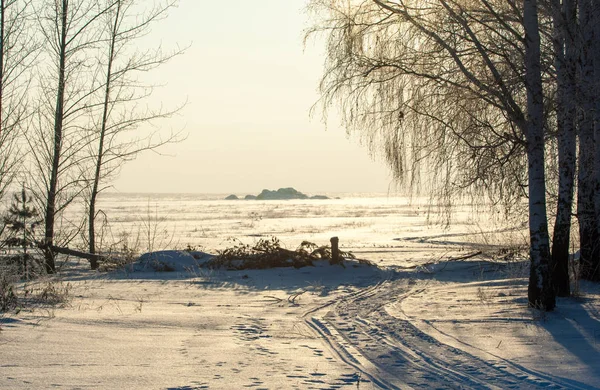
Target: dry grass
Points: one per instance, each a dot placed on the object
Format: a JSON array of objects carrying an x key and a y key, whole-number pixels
[
  {"x": 44, "y": 293},
  {"x": 8, "y": 297},
  {"x": 51, "y": 293}
]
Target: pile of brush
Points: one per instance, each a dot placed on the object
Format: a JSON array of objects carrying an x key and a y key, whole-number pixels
[{"x": 268, "y": 253}]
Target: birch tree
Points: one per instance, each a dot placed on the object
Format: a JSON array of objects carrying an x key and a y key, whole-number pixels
[
  {"x": 396, "y": 67},
  {"x": 540, "y": 289},
  {"x": 594, "y": 269},
  {"x": 587, "y": 185},
  {"x": 565, "y": 51},
  {"x": 115, "y": 132},
  {"x": 70, "y": 31},
  {"x": 438, "y": 86}
]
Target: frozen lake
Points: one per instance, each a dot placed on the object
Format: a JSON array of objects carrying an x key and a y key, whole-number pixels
[{"x": 374, "y": 226}]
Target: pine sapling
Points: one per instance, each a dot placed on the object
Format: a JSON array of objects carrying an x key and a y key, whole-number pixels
[{"x": 21, "y": 222}]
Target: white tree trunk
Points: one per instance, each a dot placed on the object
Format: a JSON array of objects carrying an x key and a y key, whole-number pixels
[
  {"x": 595, "y": 97},
  {"x": 540, "y": 292},
  {"x": 587, "y": 179},
  {"x": 565, "y": 63}
]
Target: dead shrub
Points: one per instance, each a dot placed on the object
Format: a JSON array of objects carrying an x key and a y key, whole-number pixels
[{"x": 268, "y": 253}]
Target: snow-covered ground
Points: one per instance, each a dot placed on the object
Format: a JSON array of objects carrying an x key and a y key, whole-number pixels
[{"x": 422, "y": 319}]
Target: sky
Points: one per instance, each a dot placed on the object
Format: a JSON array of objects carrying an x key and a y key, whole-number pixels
[{"x": 249, "y": 83}]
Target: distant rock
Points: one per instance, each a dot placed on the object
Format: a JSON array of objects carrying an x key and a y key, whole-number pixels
[
  {"x": 283, "y": 194},
  {"x": 232, "y": 197}
]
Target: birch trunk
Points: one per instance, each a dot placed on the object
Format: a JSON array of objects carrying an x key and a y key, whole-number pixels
[
  {"x": 565, "y": 63},
  {"x": 49, "y": 263},
  {"x": 101, "y": 141},
  {"x": 595, "y": 101},
  {"x": 540, "y": 292},
  {"x": 586, "y": 180},
  {"x": 122, "y": 94}
]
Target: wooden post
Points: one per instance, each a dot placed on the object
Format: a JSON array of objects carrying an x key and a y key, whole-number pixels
[{"x": 335, "y": 251}]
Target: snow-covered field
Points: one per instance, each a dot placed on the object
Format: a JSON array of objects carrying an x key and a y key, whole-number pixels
[{"x": 423, "y": 319}]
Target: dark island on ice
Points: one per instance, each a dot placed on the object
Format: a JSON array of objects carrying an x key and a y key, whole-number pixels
[{"x": 280, "y": 194}]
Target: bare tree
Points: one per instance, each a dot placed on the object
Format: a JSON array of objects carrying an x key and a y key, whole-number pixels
[
  {"x": 17, "y": 53},
  {"x": 540, "y": 289},
  {"x": 564, "y": 18},
  {"x": 70, "y": 30},
  {"x": 587, "y": 187},
  {"x": 595, "y": 49},
  {"x": 115, "y": 133}
]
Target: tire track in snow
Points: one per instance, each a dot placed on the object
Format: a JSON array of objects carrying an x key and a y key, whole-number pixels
[
  {"x": 345, "y": 351},
  {"x": 394, "y": 353}
]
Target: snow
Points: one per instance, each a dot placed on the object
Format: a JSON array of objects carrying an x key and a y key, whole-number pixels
[
  {"x": 419, "y": 320},
  {"x": 172, "y": 260}
]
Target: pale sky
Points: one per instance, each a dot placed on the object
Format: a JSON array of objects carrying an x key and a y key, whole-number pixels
[{"x": 249, "y": 83}]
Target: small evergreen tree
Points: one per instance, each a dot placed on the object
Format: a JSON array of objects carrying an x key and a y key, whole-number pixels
[{"x": 21, "y": 221}]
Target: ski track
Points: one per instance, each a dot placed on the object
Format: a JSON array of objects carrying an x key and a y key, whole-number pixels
[{"x": 393, "y": 353}]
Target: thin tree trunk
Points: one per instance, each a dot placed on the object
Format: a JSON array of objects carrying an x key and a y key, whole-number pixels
[
  {"x": 595, "y": 101},
  {"x": 105, "y": 108},
  {"x": 91, "y": 226},
  {"x": 71, "y": 252},
  {"x": 58, "y": 128},
  {"x": 585, "y": 199},
  {"x": 586, "y": 214},
  {"x": 2, "y": 9},
  {"x": 566, "y": 113},
  {"x": 540, "y": 292},
  {"x": 586, "y": 180}
]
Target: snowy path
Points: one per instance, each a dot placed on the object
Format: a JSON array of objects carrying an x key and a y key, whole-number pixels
[
  {"x": 458, "y": 326},
  {"x": 225, "y": 330},
  {"x": 394, "y": 353}
]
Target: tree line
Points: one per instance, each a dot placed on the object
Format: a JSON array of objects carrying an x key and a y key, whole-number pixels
[
  {"x": 74, "y": 105},
  {"x": 491, "y": 98}
]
